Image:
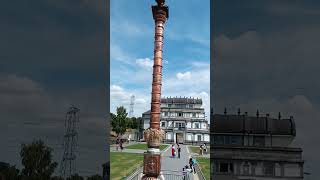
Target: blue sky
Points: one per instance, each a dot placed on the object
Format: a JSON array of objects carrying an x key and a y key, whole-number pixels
[{"x": 186, "y": 52}]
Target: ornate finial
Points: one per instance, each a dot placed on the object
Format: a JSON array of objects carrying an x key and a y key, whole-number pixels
[
  {"x": 160, "y": 2},
  {"x": 257, "y": 113},
  {"x": 279, "y": 115},
  {"x": 239, "y": 111},
  {"x": 225, "y": 111}
]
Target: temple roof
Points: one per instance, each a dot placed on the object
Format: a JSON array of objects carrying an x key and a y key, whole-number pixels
[
  {"x": 252, "y": 124},
  {"x": 182, "y": 100}
]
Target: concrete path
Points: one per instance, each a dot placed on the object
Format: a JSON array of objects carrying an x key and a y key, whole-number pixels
[
  {"x": 139, "y": 151},
  {"x": 168, "y": 163}
]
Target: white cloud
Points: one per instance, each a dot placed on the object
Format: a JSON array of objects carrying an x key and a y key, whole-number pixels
[
  {"x": 145, "y": 63},
  {"x": 120, "y": 96},
  {"x": 116, "y": 53},
  {"x": 192, "y": 35},
  {"x": 128, "y": 28},
  {"x": 194, "y": 83},
  {"x": 184, "y": 76},
  {"x": 200, "y": 64}
]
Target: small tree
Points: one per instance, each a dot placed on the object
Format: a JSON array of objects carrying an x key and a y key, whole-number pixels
[
  {"x": 37, "y": 161},
  {"x": 134, "y": 123},
  {"x": 119, "y": 121},
  {"x": 140, "y": 123},
  {"x": 9, "y": 172}
]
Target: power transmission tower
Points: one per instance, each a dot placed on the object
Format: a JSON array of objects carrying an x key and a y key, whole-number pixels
[
  {"x": 131, "y": 106},
  {"x": 68, "y": 162}
]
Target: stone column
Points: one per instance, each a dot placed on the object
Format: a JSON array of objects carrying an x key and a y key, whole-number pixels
[{"x": 154, "y": 134}]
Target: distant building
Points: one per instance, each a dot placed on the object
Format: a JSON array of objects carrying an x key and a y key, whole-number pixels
[
  {"x": 254, "y": 147},
  {"x": 183, "y": 120}
]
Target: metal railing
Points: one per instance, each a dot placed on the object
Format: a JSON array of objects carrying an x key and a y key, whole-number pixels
[
  {"x": 168, "y": 175},
  {"x": 137, "y": 175},
  {"x": 199, "y": 172},
  {"x": 176, "y": 175}
]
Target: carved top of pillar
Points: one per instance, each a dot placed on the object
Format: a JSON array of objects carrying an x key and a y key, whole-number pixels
[
  {"x": 160, "y": 2},
  {"x": 160, "y": 12}
]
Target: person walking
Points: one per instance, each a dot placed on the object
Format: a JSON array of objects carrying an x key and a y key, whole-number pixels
[
  {"x": 173, "y": 151},
  {"x": 204, "y": 148},
  {"x": 117, "y": 143},
  {"x": 201, "y": 150},
  {"x": 121, "y": 144},
  {"x": 184, "y": 173},
  {"x": 179, "y": 151},
  {"x": 191, "y": 164},
  {"x": 194, "y": 163}
]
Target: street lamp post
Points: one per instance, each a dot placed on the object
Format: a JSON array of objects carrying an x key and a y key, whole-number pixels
[{"x": 154, "y": 134}]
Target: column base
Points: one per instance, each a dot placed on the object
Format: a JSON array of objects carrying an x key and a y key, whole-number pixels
[
  {"x": 160, "y": 177},
  {"x": 151, "y": 164}
]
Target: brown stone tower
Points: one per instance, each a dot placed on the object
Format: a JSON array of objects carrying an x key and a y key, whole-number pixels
[{"x": 154, "y": 135}]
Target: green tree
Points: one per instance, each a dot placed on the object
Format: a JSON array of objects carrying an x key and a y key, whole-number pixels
[
  {"x": 119, "y": 121},
  {"x": 95, "y": 177},
  {"x": 37, "y": 161},
  {"x": 140, "y": 123},
  {"x": 9, "y": 172},
  {"x": 134, "y": 123}
]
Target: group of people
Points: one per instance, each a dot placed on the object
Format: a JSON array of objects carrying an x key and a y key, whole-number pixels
[
  {"x": 119, "y": 143},
  {"x": 174, "y": 151},
  {"x": 203, "y": 149},
  {"x": 190, "y": 168}
]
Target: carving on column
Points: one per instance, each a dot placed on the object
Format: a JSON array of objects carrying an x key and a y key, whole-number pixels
[
  {"x": 154, "y": 137},
  {"x": 152, "y": 164}
]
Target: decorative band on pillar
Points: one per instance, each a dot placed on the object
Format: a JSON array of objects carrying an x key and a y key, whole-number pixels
[{"x": 152, "y": 164}]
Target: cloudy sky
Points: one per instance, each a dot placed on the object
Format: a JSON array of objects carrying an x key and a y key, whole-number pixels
[
  {"x": 186, "y": 66},
  {"x": 52, "y": 56},
  {"x": 267, "y": 58}
]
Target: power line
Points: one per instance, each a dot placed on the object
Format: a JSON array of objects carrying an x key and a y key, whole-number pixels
[
  {"x": 131, "y": 106},
  {"x": 68, "y": 162}
]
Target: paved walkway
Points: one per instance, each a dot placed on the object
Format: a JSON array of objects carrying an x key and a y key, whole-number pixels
[
  {"x": 175, "y": 164},
  {"x": 168, "y": 163},
  {"x": 139, "y": 151}
]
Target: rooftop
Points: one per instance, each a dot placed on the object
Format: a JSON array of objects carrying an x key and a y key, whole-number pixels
[
  {"x": 181, "y": 100},
  {"x": 223, "y": 123}
]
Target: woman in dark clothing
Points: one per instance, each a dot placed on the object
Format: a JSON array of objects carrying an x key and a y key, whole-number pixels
[
  {"x": 117, "y": 144},
  {"x": 191, "y": 164},
  {"x": 121, "y": 147}
]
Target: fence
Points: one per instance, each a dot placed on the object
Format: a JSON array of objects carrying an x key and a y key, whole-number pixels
[
  {"x": 199, "y": 172},
  {"x": 137, "y": 175},
  {"x": 168, "y": 175}
]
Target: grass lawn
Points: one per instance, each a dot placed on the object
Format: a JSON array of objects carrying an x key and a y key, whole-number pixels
[
  {"x": 196, "y": 149},
  {"x": 123, "y": 164},
  {"x": 204, "y": 164},
  {"x": 144, "y": 146}
]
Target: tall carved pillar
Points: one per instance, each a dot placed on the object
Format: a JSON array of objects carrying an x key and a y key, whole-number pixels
[{"x": 154, "y": 134}]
